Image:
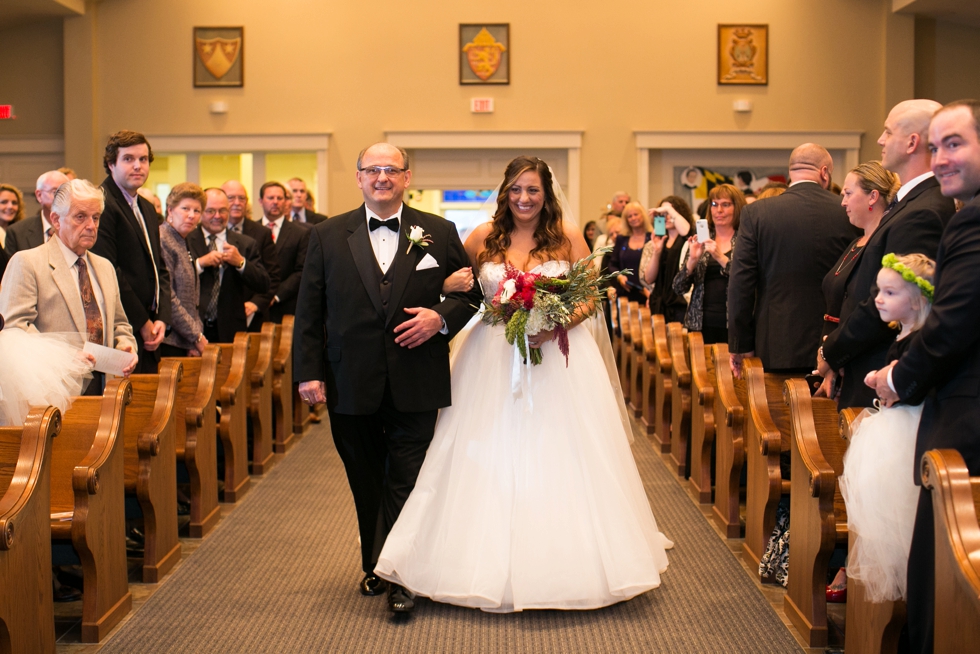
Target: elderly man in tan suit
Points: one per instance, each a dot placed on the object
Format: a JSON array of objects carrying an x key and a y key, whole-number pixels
[{"x": 62, "y": 287}]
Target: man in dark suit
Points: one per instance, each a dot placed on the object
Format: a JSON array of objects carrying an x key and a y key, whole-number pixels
[
  {"x": 297, "y": 210},
  {"x": 913, "y": 225},
  {"x": 132, "y": 244},
  {"x": 292, "y": 240},
  {"x": 785, "y": 247},
  {"x": 256, "y": 304},
  {"x": 941, "y": 367},
  {"x": 229, "y": 265},
  {"x": 372, "y": 340},
  {"x": 36, "y": 230}
]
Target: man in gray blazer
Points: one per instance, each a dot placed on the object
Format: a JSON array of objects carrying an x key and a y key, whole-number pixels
[{"x": 62, "y": 287}]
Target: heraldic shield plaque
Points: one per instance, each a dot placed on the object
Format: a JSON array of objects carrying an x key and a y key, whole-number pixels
[
  {"x": 743, "y": 54},
  {"x": 219, "y": 56},
  {"x": 484, "y": 54}
]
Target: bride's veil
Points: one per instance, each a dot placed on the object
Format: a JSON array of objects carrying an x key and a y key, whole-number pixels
[{"x": 596, "y": 324}]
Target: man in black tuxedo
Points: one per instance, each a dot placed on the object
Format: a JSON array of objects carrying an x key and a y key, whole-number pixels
[
  {"x": 913, "y": 225},
  {"x": 941, "y": 367},
  {"x": 256, "y": 304},
  {"x": 229, "y": 266},
  {"x": 292, "y": 240},
  {"x": 372, "y": 340},
  {"x": 297, "y": 209},
  {"x": 36, "y": 230},
  {"x": 785, "y": 247},
  {"x": 129, "y": 237}
]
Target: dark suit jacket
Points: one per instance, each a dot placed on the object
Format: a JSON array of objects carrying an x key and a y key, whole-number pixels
[
  {"x": 344, "y": 332},
  {"x": 4, "y": 259},
  {"x": 785, "y": 247},
  {"x": 234, "y": 284},
  {"x": 942, "y": 363},
  {"x": 121, "y": 241},
  {"x": 312, "y": 217},
  {"x": 291, "y": 246},
  {"x": 861, "y": 341},
  {"x": 24, "y": 235},
  {"x": 270, "y": 261}
]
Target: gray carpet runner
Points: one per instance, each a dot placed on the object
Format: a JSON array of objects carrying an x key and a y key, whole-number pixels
[{"x": 279, "y": 574}]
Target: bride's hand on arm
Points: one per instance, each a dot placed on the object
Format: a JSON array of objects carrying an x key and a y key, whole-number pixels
[{"x": 459, "y": 282}]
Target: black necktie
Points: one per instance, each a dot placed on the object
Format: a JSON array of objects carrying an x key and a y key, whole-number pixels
[{"x": 391, "y": 223}]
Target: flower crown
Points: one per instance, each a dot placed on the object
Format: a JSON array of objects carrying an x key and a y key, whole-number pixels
[{"x": 891, "y": 261}]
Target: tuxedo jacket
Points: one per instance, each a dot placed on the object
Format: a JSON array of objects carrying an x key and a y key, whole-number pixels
[
  {"x": 121, "y": 241},
  {"x": 344, "y": 332},
  {"x": 234, "y": 284},
  {"x": 24, "y": 235},
  {"x": 291, "y": 245},
  {"x": 270, "y": 261},
  {"x": 40, "y": 294},
  {"x": 861, "y": 341},
  {"x": 942, "y": 363},
  {"x": 785, "y": 247}
]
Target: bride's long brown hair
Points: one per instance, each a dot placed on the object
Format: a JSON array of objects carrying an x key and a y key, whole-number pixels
[{"x": 549, "y": 235}]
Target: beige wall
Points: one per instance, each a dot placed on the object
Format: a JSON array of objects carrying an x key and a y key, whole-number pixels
[
  {"x": 946, "y": 58},
  {"x": 31, "y": 79},
  {"x": 607, "y": 69}
]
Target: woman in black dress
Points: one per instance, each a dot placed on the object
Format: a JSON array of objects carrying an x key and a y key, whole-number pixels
[
  {"x": 662, "y": 258},
  {"x": 627, "y": 251}
]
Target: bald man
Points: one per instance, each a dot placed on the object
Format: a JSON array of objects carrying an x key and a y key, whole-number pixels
[
  {"x": 913, "y": 225},
  {"x": 36, "y": 230},
  {"x": 786, "y": 245}
]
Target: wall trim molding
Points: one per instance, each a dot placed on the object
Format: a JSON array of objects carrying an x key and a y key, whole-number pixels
[{"x": 33, "y": 145}]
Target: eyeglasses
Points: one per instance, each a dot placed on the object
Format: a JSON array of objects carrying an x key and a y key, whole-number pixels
[
  {"x": 723, "y": 205},
  {"x": 375, "y": 171},
  {"x": 212, "y": 212}
]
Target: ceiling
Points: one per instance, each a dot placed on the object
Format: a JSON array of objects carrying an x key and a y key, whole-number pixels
[
  {"x": 18, "y": 12},
  {"x": 962, "y": 12}
]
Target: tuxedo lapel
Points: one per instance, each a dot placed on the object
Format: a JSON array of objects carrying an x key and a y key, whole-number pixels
[
  {"x": 367, "y": 264},
  {"x": 67, "y": 285},
  {"x": 405, "y": 258}
]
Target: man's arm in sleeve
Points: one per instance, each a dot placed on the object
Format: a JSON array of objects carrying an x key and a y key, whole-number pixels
[
  {"x": 458, "y": 308},
  {"x": 309, "y": 338},
  {"x": 254, "y": 273},
  {"x": 743, "y": 280}
]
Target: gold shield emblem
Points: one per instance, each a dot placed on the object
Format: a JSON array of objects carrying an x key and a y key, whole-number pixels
[
  {"x": 483, "y": 54},
  {"x": 218, "y": 55}
]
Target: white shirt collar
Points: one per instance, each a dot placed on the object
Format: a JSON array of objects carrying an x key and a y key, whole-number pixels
[
  {"x": 397, "y": 214},
  {"x": 277, "y": 222},
  {"x": 71, "y": 257},
  {"x": 803, "y": 181},
  {"x": 222, "y": 235},
  {"x": 911, "y": 184},
  {"x": 45, "y": 224}
]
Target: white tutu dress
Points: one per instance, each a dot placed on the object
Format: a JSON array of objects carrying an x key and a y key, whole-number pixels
[
  {"x": 38, "y": 370},
  {"x": 529, "y": 497},
  {"x": 881, "y": 497}
]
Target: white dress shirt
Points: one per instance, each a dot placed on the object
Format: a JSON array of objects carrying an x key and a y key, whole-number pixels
[
  {"x": 71, "y": 258},
  {"x": 911, "y": 184},
  {"x": 274, "y": 226},
  {"x": 384, "y": 242},
  {"x": 45, "y": 226}
]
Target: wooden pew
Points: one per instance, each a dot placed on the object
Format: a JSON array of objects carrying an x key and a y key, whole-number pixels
[
  {"x": 818, "y": 518},
  {"x": 151, "y": 465},
  {"x": 88, "y": 503},
  {"x": 663, "y": 386},
  {"x": 729, "y": 414},
  {"x": 955, "y": 506},
  {"x": 625, "y": 346},
  {"x": 647, "y": 363},
  {"x": 26, "y": 605},
  {"x": 638, "y": 315},
  {"x": 196, "y": 436},
  {"x": 869, "y": 628},
  {"x": 233, "y": 426},
  {"x": 702, "y": 416},
  {"x": 282, "y": 385},
  {"x": 767, "y": 433},
  {"x": 259, "y": 395},
  {"x": 680, "y": 399}
]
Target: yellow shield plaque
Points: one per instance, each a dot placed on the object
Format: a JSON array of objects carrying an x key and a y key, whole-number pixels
[
  {"x": 483, "y": 54},
  {"x": 218, "y": 55}
]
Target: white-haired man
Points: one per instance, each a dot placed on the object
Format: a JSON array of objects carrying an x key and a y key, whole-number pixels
[{"x": 36, "y": 230}]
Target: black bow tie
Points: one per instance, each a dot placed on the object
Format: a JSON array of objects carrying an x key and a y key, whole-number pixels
[{"x": 391, "y": 223}]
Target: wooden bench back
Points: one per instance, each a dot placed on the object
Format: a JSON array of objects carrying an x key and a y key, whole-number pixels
[
  {"x": 150, "y": 415},
  {"x": 196, "y": 390}
]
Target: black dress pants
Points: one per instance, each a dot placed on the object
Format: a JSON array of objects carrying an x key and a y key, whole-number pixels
[
  {"x": 382, "y": 454},
  {"x": 921, "y": 604}
]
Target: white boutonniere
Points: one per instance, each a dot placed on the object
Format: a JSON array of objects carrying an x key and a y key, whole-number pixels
[{"x": 417, "y": 237}]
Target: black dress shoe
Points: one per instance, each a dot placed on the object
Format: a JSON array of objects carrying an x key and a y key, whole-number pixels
[
  {"x": 64, "y": 593},
  {"x": 400, "y": 600},
  {"x": 372, "y": 585}
]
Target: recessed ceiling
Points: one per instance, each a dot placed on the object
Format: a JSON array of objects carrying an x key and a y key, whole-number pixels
[{"x": 961, "y": 12}]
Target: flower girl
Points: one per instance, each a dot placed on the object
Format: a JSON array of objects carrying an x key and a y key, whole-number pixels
[{"x": 877, "y": 483}]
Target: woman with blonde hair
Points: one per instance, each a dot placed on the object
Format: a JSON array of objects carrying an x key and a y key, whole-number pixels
[
  {"x": 628, "y": 250},
  {"x": 11, "y": 209}
]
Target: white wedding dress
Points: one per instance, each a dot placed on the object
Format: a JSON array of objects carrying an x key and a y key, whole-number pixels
[{"x": 529, "y": 497}]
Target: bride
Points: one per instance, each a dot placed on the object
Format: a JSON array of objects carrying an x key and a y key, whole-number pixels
[{"x": 529, "y": 497}]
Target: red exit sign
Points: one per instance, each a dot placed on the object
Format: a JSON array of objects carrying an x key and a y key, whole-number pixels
[{"x": 7, "y": 111}]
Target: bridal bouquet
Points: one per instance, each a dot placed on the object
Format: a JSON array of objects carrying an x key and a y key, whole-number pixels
[{"x": 529, "y": 303}]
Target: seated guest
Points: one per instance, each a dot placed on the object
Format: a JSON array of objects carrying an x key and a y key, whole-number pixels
[
  {"x": 256, "y": 304},
  {"x": 11, "y": 209},
  {"x": 707, "y": 264},
  {"x": 590, "y": 233},
  {"x": 627, "y": 250},
  {"x": 229, "y": 266},
  {"x": 184, "y": 206},
  {"x": 662, "y": 259},
  {"x": 62, "y": 287},
  {"x": 36, "y": 230}
]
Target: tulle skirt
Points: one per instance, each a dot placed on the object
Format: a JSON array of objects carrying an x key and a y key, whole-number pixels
[
  {"x": 881, "y": 499},
  {"x": 38, "y": 370},
  {"x": 529, "y": 497}
]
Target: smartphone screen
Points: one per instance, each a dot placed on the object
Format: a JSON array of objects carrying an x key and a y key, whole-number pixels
[
  {"x": 660, "y": 225},
  {"x": 702, "y": 226}
]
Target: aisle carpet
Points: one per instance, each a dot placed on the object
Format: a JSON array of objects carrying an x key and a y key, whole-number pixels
[{"x": 279, "y": 575}]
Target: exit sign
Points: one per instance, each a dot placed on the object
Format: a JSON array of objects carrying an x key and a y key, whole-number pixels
[
  {"x": 481, "y": 105},
  {"x": 7, "y": 111}
]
